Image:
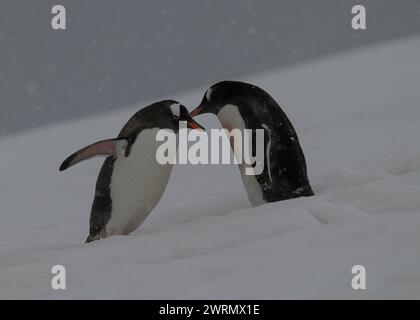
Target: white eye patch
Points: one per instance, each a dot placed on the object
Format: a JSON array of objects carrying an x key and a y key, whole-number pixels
[
  {"x": 208, "y": 94},
  {"x": 175, "y": 108}
]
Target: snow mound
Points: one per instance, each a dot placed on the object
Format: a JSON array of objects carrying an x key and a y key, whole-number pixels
[{"x": 357, "y": 116}]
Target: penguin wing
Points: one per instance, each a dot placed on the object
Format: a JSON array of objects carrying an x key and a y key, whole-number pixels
[{"x": 104, "y": 148}]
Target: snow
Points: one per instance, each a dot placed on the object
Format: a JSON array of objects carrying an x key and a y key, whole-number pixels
[{"x": 357, "y": 116}]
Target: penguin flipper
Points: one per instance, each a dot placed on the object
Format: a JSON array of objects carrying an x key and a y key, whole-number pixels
[{"x": 104, "y": 148}]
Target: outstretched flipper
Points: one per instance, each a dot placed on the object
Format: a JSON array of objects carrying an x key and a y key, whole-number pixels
[{"x": 104, "y": 148}]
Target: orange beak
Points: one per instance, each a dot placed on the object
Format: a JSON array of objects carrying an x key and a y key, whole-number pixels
[
  {"x": 192, "y": 124},
  {"x": 196, "y": 111}
]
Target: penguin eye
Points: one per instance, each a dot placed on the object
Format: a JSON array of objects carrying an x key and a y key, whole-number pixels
[{"x": 176, "y": 117}]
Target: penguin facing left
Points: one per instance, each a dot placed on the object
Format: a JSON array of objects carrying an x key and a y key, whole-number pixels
[
  {"x": 240, "y": 105},
  {"x": 131, "y": 181}
]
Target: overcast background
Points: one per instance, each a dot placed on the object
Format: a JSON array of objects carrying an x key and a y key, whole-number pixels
[{"x": 117, "y": 53}]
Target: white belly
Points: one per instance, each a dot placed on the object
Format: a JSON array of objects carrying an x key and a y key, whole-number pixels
[
  {"x": 137, "y": 184},
  {"x": 230, "y": 118}
]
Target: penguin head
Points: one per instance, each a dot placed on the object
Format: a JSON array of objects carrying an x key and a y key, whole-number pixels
[
  {"x": 178, "y": 112},
  {"x": 221, "y": 94},
  {"x": 211, "y": 102},
  {"x": 164, "y": 114}
]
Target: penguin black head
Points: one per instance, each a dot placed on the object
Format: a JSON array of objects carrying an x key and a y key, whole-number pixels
[
  {"x": 164, "y": 114},
  {"x": 225, "y": 92},
  {"x": 178, "y": 112}
]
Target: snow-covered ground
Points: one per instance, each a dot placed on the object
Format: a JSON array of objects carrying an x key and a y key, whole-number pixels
[{"x": 357, "y": 116}]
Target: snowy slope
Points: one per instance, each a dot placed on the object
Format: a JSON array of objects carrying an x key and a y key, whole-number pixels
[{"x": 357, "y": 116}]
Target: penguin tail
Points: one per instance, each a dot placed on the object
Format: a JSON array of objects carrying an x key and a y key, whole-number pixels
[
  {"x": 91, "y": 238},
  {"x": 305, "y": 191}
]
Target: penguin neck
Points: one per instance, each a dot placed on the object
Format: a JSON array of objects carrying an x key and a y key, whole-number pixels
[{"x": 230, "y": 117}]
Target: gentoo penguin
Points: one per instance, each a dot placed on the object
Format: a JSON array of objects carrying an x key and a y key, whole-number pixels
[
  {"x": 242, "y": 105},
  {"x": 131, "y": 181}
]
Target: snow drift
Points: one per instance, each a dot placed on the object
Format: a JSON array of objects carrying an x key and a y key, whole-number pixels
[{"x": 357, "y": 116}]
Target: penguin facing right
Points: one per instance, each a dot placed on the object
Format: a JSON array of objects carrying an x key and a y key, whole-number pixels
[
  {"x": 240, "y": 105},
  {"x": 131, "y": 181}
]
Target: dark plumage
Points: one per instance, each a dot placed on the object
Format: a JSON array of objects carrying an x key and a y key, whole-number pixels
[{"x": 287, "y": 175}]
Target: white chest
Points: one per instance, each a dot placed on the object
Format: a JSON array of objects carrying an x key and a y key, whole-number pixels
[
  {"x": 137, "y": 184},
  {"x": 230, "y": 118}
]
